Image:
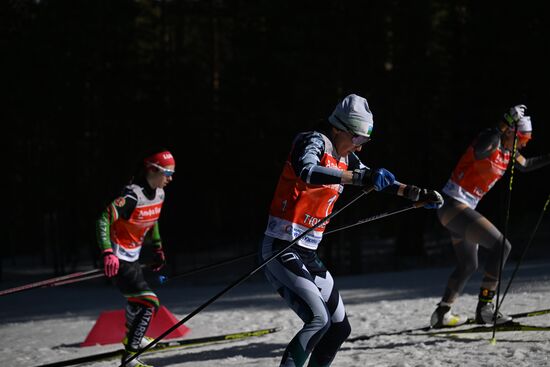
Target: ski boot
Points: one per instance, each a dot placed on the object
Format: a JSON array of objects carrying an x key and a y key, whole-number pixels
[
  {"x": 134, "y": 362},
  {"x": 442, "y": 317},
  {"x": 485, "y": 310},
  {"x": 145, "y": 341}
]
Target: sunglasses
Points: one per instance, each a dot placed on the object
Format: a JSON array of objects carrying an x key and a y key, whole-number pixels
[
  {"x": 165, "y": 171},
  {"x": 359, "y": 139},
  {"x": 523, "y": 138},
  {"x": 355, "y": 139}
]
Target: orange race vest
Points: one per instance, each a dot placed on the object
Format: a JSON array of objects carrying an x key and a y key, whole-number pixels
[
  {"x": 298, "y": 206},
  {"x": 127, "y": 235},
  {"x": 472, "y": 178}
]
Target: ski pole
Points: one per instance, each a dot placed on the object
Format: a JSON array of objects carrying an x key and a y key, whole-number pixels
[
  {"x": 243, "y": 278},
  {"x": 163, "y": 279},
  {"x": 378, "y": 216},
  {"x": 62, "y": 280},
  {"x": 525, "y": 249},
  {"x": 69, "y": 281},
  {"x": 506, "y": 221},
  {"x": 49, "y": 282}
]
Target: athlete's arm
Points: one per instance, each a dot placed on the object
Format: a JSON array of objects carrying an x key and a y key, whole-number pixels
[
  {"x": 398, "y": 188},
  {"x": 486, "y": 143},
  {"x": 305, "y": 157},
  {"x": 530, "y": 164},
  {"x": 155, "y": 235}
]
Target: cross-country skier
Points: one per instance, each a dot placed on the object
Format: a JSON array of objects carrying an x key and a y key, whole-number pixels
[
  {"x": 121, "y": 231},
  {"x": 320, "y": 163},
  {"x": 480, "y": 167}
]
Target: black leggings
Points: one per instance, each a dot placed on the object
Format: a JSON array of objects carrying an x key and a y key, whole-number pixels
[
  {"x": 302, "y": 279},
  {"x": 142, "y": 301},
  {"x": 469, "y": 229}
]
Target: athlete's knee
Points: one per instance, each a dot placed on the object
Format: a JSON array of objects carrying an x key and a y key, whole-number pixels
[
  {"x": 499, "y": 247},
  {"x": 468, "y": 268},
  {"x": 149, "y": 300},
  {"x": 138, "y": 308},
  {"x": 321, "y": 321}
]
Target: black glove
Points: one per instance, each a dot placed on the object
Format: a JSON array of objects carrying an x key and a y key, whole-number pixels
[
  {"x": 159, "y": 259},
  {"x": 432, "y": 198},
  {"x": 412, "y": 192}
]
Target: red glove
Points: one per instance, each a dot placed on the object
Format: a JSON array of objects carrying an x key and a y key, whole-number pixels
[
  {"x": 110, "y": 263},
  {"x": 159, "y": 259}
]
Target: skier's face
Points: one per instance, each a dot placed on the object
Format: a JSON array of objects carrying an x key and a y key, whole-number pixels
[
  {"x": 345, "y": 142},
  {"x": 508, "y": 139},
  {"x": 160, "y": 177}
]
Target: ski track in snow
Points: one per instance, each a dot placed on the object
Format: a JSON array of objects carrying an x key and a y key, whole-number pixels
[{"x": 45, "y": 325}]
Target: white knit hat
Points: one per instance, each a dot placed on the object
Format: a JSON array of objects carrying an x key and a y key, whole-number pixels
[{"x": 353, "y": 114}]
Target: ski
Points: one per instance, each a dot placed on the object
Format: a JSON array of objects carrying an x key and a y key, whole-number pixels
[
  {"x": 166, "y": 345},
  {"x": 531, "y": 313},
  {"x": 509, "y": 326},
  {"x": 444, "y": 329}
]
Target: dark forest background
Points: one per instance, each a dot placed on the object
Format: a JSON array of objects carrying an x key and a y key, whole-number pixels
[{"x": 225, "y": 85}]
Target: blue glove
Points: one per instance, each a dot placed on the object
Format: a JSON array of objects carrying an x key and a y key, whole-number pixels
[{"x": 380, "y": 178}]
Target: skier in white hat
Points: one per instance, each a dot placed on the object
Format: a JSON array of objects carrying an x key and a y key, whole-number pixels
[{"x": 319, "y": 164}]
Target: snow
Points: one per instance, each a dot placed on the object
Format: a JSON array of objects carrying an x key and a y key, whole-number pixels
[{"x": 46, "y": 325}]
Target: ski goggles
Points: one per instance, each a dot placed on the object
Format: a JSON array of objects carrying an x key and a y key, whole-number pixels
[
  {"x": 359, "y": 139},
  {"x": 165, "y": 171},
  {"x": 523, "y": 138}
]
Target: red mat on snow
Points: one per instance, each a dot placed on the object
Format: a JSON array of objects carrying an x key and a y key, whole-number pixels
[{"x": 109, "y": 327}]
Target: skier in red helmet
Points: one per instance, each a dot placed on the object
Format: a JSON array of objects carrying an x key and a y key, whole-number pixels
[{"x": 121, "y": 231}]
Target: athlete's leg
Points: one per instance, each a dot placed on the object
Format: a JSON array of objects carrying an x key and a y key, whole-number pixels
[
  {"x": 467, "y": 263},
  {"x": 474, "y": 228},
  {"x": 142, "y": 302},
  {"x": 489, "y": 237},
  {"x": 471, "y": 227},
  {"x": 455, "y": 217},
  {"x": 290, "y": 278},
  {"x": 492, "y": 265},
  {"x": 326, "y": 349}
]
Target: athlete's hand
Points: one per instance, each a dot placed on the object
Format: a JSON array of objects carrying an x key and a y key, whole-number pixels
[
  {"x": 412, "y": 192},
  {"x": 110, "y": 263},
  {"x": 380, "y": 178},
  {"x": 432, "y": 198},
  {"x": 159, "y": 259},
  {"x": 514, "y": 114}
]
